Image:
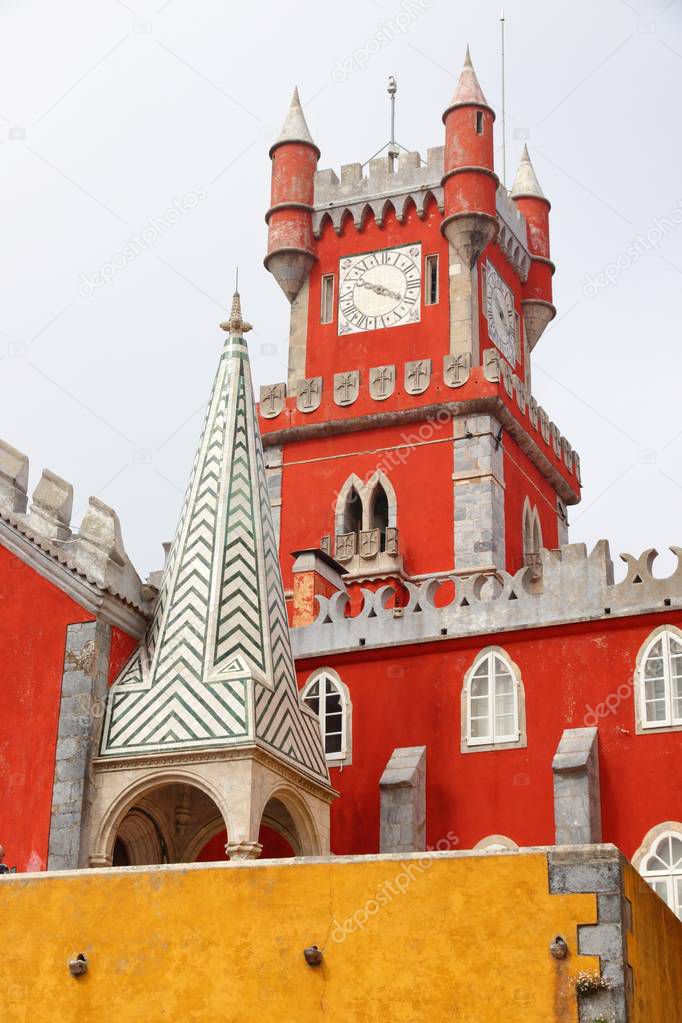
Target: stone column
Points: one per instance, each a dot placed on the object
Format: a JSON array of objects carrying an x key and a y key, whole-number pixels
[
  {"x": 479, "y": 494},
  {"x": 403, "y": 801},
  {"x": 463, "y": 288},
  {"x": 84, "y": 692},
  {"x": 577, "y": 806}
]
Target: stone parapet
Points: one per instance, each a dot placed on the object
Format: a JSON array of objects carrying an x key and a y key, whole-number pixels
[{"x": 571, "y": 587}]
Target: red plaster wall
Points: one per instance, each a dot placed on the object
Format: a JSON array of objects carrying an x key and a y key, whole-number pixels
[
  {"x": 34, "y": 615},
  {"x": 412, "y": 697},
  {"x": 421, "y": 477},
  {"x": 122, "y": 646}
]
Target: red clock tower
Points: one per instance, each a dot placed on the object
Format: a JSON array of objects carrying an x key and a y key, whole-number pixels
[{"x": 418, "y": 291}]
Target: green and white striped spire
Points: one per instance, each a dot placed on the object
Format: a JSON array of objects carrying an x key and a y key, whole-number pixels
[{"x": 215, "y": 669}]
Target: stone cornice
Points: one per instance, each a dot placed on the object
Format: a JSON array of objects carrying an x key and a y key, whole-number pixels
[
  {"x": 491, "y": 405},
  {"x": 183, "y": 758}
]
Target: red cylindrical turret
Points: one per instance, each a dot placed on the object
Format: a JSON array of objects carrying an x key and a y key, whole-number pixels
[
  {"x": 538, "y": 309},
  {"x": 291, "y": 245},
  {"x": 469, "y": 179}
]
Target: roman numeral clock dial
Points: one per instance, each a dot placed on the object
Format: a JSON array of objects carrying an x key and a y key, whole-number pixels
[
  {"x": 380, "y": 289},
  {"x": 500, "y": 313}
]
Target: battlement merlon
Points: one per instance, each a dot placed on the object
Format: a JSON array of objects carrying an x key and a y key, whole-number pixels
[
  {"x": 410, "y": 180},
  {"x": 91, "y": 564},
  {"x": 571, "y": 587}
]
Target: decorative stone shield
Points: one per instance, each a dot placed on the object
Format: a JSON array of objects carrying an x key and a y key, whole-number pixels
[
  {"x": 392, "y": 540},
  {"x": 345, "y": 546},
  {"x": 381, "y": 382},
  {"x": 456, "y": 369},
  {"x": 417, "y": 376},
  {"x": 309, "y": 394},
  {"x": 346, "y": 387},
  {"x": 272, "y": 400},
  {"x": 533, "y": 412},
  {"x": 369, "y": 543},
  {"x": 506, "y": 377},
  {"x": 543, "y": 419},
  {"x": 326, "y": 544},
  {"x": 519, "y": 392},
  {"x": 491, "y": 365}
]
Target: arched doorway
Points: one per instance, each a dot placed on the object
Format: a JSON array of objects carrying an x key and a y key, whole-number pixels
[{"x": 165, "y": 825}]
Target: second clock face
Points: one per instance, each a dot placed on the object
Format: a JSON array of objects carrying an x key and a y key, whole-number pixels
[
  {"x": 500, "y": 314},
  {"x": 380, "y": 289}
]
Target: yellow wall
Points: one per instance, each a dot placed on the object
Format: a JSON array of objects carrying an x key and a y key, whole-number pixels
[
  {"x": 654, "y": 952},
  {"x": 467, "y": 942}
]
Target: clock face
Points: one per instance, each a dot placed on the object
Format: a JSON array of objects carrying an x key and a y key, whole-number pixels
[
  {"x": 501, "y": 314},
  {"x": 380, "y": 289}
]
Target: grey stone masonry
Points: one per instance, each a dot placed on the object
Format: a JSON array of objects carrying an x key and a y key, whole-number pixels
[
  {"x": 598, "y": 870},
  {"x": 403, "y": 801},
  {"x": 479, "y": 494},
  {"x": 577, "y": 805},
  {"x": 84, "y": 692}
]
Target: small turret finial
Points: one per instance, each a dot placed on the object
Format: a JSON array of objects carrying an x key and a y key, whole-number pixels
[{"x": 236, "y": 326}]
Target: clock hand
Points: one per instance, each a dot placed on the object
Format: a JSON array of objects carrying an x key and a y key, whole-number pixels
[{"x": 379, "y": 289}]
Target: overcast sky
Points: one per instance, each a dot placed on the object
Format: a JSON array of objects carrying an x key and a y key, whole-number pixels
[{"x": 112, "y": 112}]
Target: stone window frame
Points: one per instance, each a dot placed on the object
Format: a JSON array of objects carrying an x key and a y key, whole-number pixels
[
  {"x": 642, "y": 727},
  {"x": 345, "y": 757},
  {"x": 648, "y": 847},
  {"x": 329, "y": 317},
  {"x": 496, "y": 843},
  {"x": 466, "y": 743},
  {"x": 365, "y": 492},
  {"x": 431, "y": 264},
  {"x": 531, "y": 533}
]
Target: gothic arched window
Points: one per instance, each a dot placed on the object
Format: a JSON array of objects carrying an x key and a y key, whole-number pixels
[
  {"x": 659, "y": 680},
  {"x": 379, "y": 514},
  {"x": 493, "y": 711},
  {"x": 532, "y": 535},
  {"x": 661, "y": 867},
  {"x": 352, "y": 514},
  {"x": 328, "y": 697}
]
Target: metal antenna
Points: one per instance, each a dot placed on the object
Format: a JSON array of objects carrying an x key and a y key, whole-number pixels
[
  {"x": 393, "y": 151},
  {"x": 236, "y": 280},
  {"x": 504, "y": 116}
]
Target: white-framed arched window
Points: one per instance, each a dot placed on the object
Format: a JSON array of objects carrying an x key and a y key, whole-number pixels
[
  {"x": 493, "y": 706},
  {"x": 496, "y": 843},
  {"x": 659, "y": 681},
  {"x": 328, "y": 697},
  {"x": 659, "y": 861}
]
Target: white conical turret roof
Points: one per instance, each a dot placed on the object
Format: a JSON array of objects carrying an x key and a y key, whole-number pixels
[
  {"x": 526, "y": 182},
  {"x": 295, "y": 127},
  {"x": 468, "y": 91}
]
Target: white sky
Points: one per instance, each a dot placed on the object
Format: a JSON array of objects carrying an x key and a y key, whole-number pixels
[{"x": 123, "y": 108}]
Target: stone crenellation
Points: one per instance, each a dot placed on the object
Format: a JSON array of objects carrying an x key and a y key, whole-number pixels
[
  {"x": 95, "y": 552},
  {"x": 570, "y": 586},
  {"x": 411, "y": 179}
]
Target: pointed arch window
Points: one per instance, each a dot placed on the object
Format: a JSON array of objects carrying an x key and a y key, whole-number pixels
[
  {"x": 379, "y": 514},
  {"x": 352, "y": 513},
  {"x": 329, "y": 699},
  {"x": 532, "y": 535},
  {"x": 493, "y": 710},
  {"x": 661, "y": 867},
  {"x": 659, "y": 680}
]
